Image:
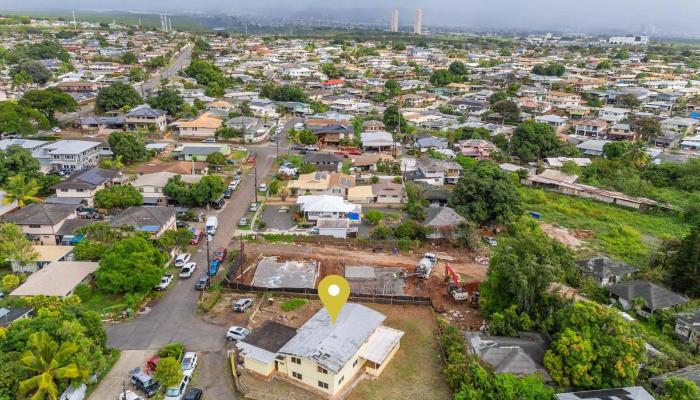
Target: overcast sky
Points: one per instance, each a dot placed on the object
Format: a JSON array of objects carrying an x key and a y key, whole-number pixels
[{"x": 589, "y": 15}]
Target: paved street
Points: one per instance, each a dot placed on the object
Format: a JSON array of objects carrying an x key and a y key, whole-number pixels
[
  {"x": 174, "y": 318},
  {"x": 181, "y": 61}
]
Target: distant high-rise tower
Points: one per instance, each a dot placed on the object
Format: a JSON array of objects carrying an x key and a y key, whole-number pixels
[
  {"x": 418, "y": 22},
  {"x": 395, "y": 20}
]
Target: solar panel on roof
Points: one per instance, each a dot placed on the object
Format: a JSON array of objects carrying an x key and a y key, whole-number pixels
[
  {"x": 4, "y": 312},
  {"x": 606, "y": 394},
  {"x": 92, "y": 177}
]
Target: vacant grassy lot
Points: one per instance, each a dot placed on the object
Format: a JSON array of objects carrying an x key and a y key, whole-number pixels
[
  {"x": 622, "y": 233},
  {"x": 415, "y": 372}
]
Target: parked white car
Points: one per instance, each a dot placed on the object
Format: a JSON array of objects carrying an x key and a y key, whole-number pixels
[
  {"x": 189, "y": 363},
  {"x": 129, "y": 395},
  {"x": 237, "y": 333},
  {"x": 182, "y": 259},
  {"x": 188, "y": 270}
]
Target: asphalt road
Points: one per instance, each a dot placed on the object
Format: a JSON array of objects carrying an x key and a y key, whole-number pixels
[
  {"x": 173, "y": 318},
  {"x": 182, "y": 59}
]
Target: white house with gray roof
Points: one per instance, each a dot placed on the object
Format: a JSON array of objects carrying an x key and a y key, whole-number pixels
[
  {"x": 327, "y": 358},
  {"x": 70, "y": 155}
]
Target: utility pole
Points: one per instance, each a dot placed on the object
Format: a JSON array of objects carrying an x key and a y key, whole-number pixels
[
  {"x": 123, "y": 390},
  {"x": 398, "y": 127},
  {"x": 255, "y": 178},
  {"x": 208, "y": 260}
]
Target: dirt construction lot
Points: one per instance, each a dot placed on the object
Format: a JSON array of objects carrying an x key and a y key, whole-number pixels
[{"x": 333, "y": 259}]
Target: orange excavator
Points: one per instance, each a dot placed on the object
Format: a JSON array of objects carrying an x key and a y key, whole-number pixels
[{"x": 459, "y": 290}]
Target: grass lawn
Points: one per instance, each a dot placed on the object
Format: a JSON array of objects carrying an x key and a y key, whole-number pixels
[
  {"x": 415, "y": 372},
  {"x": 238, "y": 155},
  {"x": 96, "y": 300},
  {"x": 622, "y": 233}
]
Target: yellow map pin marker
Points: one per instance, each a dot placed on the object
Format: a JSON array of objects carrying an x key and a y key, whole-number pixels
[{"x": 334, "y": 291}]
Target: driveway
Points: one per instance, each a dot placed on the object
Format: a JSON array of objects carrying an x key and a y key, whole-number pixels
[
  {"x": 113, "y": 383},
  {"x": 173, "y": 318},
  {"x": 276, "y": 220}
]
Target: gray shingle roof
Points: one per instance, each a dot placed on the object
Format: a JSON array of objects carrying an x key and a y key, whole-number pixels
[
  {"x": 656, "y": 297},
  {"x": 442, "y": 216},
  {"x": 270, "y": 336},
  {"x": 41, "y": 214},
  {"x": 604, "y": 267},
  {"x": 140, "y": 217}
]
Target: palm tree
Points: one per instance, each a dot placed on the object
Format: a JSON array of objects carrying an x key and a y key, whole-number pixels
[
  {"x": 48, "y": 362},
  {"x": 22, "y": 190},
  {"x": 637, "y": 156}
]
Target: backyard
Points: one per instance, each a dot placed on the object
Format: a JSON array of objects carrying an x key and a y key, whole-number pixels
[
  {"x": 622, "y": 233},
  {"x": 415, "y": 372}
]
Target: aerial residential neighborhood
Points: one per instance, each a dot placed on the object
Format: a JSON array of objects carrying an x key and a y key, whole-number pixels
[{"x": 514, "y": 210}]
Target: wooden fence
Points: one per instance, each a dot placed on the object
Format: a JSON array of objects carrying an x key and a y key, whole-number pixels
[{"x": 313, "y": 294}]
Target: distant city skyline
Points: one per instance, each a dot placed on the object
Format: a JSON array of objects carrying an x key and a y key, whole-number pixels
[{"x": 634, "y": 16}]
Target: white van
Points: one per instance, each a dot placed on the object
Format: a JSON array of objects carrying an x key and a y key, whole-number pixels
[
  {"x": 211, "y": 226},
  {"x": 176, "y": 392}
]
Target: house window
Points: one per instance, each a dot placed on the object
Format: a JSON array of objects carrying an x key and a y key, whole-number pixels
[
  {"x": 354, "y": 363},
  {"x": 296, "y": 360},
  {"x": 321, "y": 370},
  {"x": 296, "y": 375},
  {"x": 64, "y": 190},
  {"x": 35, "y": 226},
  {"x": 342, "y": 378},
  {"x": 322, "y": 385},
  {"x": 81, "y": 190}
]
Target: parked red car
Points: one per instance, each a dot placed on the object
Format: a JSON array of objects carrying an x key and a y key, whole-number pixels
[
  {"x": 196, "y": 235},
  {"x": 220, "y": 254},
  {"x": 341, "y": 154}
]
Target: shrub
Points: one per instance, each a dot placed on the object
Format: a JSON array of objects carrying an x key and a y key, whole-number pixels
[
  {"x": 174, "y": 350},
  {"x": 293, "y": 304},
  {"x": 10, "y": 282}
]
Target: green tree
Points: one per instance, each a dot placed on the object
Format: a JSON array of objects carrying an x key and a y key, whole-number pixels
[
  {"x": 284, "y": 93},
  {"x": 629, "y": 100},
  {"x": 129, "y": 58},
  {"x": 168, "y": 100},
  {"x": 132, "y": 265},
  {"x": 14, "y": 245},
  {"x": 118, "y": 196},
  {"x": 49, "y": 363},
  {"x": 595, "y": 348},
  {"x": 683, "y": 271},
  {"x": 49, "y": 102},
  {"x": 508, "y": 109},
  {"x": 117, "y": 96},
  {"x": 604, "y": 65},
  {"x": 128, "y": 146},
  {"x": 174, "y": 239},
  {"x": 637, "y": 156},
  {"x": 205, "y": 73},
  {"x": 168, "y": 372},
  {"x": 536, "y": 140},
  {"x": 37, "y": 72},
  {"x": 441, "y": 77},
  {"x": 208, "y": 189},
  {"x": 331, "y": 70},
  {"x": 648, "y": 127},
  {"x": 549, "y": 69},
  {"x": 615, "y": 150},
  {"x": 521, "y": 269},
  {"x": 391, "y": 119},
  {"x": 487, "y": 194},
  {"x": 137, "y": 74},
  {"x": 458, "y": 68},
  {"x": 22, "y": 190},
  {"x": 216, "y": 158},
  {"x": 392, "y": 87},
  {"x": 16, "y": 118}
]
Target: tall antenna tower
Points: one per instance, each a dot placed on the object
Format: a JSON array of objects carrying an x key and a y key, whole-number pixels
[{"x": 75, "y": 24}]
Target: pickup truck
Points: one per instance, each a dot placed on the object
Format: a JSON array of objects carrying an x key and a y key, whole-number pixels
[{"x": 165, "y": 281}]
